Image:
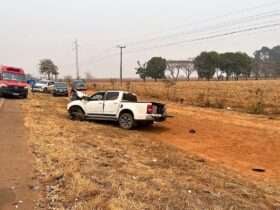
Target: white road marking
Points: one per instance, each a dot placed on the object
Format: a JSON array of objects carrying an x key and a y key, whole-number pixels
[{"x": 1, "y": 102}]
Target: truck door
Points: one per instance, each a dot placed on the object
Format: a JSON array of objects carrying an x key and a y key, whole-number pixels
[
  {"x": 111, "y": 103},
  {"x": 95, "y": 104}
]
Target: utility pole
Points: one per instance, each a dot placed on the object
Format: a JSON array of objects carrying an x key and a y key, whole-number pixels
[
  {"x": 76, "y": 48},
  {"x": 121, "y": 61}
]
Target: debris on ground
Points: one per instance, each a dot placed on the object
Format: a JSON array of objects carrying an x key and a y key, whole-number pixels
[{"x": 192, "y": 131}]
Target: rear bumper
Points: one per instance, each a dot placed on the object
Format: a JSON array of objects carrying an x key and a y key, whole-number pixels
[
  {"x": 151, "y": 117},
  {"x": 159, "y": 117}
]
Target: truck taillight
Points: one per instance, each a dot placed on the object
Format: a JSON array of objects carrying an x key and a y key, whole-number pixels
[{"x": 150, "y": 109}]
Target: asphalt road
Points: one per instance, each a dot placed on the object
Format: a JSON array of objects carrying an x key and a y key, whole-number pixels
[{"x": 15, "y": 159}]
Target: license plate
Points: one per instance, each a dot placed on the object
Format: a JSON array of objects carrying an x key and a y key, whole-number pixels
[{"x": 15, "y": 94}]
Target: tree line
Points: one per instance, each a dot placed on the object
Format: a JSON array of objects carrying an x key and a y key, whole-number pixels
[{"x": 223, "y": 66}]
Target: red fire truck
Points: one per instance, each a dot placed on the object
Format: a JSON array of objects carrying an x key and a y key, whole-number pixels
[{"x": 13, "y": 82}]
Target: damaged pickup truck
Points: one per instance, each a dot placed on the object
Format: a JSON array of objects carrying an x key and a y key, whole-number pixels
[{"x": 119, "y": 106}]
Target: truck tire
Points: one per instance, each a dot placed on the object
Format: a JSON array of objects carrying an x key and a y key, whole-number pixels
[
  {"x": 45, "y": 90},
  {"x": 25, "y": 96},
  {"x": 77, "y": 113},
  {"x": 126, "y": 121}
]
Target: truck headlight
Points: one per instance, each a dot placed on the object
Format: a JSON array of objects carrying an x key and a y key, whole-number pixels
[{"x": 2, "y": 85}]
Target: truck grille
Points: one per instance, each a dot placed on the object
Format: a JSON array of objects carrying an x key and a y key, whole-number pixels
[{"x": 16, "y": 89}]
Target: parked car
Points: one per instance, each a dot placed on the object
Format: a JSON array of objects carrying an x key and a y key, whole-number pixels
[
  {"x": 79, "y": 85},
  {"x": 13, "y": 82},
  {"x": 44, "y": 86},
  {"x": 60, "y": 89},
  {"x": 117, "y": 106}
]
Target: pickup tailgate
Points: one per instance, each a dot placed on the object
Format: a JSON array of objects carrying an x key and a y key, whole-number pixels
[{"x": 158, "y": 108}]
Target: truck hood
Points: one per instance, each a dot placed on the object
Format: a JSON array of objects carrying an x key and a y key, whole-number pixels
[{"x": 14, "y": 83}]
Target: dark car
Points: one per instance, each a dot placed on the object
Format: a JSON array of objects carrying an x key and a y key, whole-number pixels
[
  {"x": 79, "y": 85},
  {"x": 60, "y": 89}
]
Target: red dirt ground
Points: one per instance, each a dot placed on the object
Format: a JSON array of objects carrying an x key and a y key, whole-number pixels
[{"x": 237, "y": 141}]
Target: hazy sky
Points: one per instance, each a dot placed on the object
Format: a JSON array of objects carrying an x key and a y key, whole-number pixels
[{"x": 35, "y": 29}]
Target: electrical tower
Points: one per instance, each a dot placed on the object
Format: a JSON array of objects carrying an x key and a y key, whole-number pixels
[{"x": 76, "y": 48}]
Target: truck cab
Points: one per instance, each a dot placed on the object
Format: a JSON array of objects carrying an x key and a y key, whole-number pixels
[{"x": 13, "y": 82}]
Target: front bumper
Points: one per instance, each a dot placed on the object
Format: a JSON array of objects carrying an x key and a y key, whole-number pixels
[
  {"x": 60, "y": 93},
  {"x": 14, "y": 91},
  {"x": 37, "y": 89}
]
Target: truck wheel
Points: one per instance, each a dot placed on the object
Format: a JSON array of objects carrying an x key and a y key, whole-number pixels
[
  {"x": 45, "y": 90},
  {"x": 126, "y": 121},
  {"x": 77, "y": 113},
  {"x": 25, "y": 96}
]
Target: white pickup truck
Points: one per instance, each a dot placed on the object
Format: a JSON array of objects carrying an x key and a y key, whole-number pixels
[{"x": 117, "y": 106}]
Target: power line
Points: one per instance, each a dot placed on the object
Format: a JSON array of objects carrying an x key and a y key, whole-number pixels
[
  {"x": 221, "y": 27},
  {"x": 206, "y": 20},
  {"x": 205, "y": 37},
  {"x": 252, "y": 18},
  {"x": 209, "y": 37},
  {"x": 231, "y": 23}
]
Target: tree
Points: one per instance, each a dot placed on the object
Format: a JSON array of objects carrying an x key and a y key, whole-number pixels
[
  {"x": 262, "y": 59},
  {"x": 189, "y": 69},
  {"x": 235, "y": 64},
  {"x": 206, "y": 64},
  {"x": 244, "y": 65},
  {"x": 174, "y": 69},
  {"x": 275, "y": 59},
  {"x": 156, "y": 68},
  {"x": 226, "y": 64},
  {"x": 46, "y": 66},
  {"x": 141, "y": 70}
]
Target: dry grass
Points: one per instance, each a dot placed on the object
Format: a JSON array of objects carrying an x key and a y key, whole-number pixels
[
  {"x": 256, "y": 97},
  {"x": 86, "y": 165}
]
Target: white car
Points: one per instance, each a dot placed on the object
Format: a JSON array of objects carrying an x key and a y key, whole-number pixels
[
  {"x": 118, "y": 106},
  {"x": 45, "y": 86}
]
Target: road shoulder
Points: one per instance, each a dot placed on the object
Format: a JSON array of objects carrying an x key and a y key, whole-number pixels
[{"x": 16, "y": 182}]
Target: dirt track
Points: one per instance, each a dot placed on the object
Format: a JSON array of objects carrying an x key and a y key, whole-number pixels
[
  {"x": 15, "y": 159},
  {"x": 93, "y": 165},
  {"x": 237, "y": 141}
]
